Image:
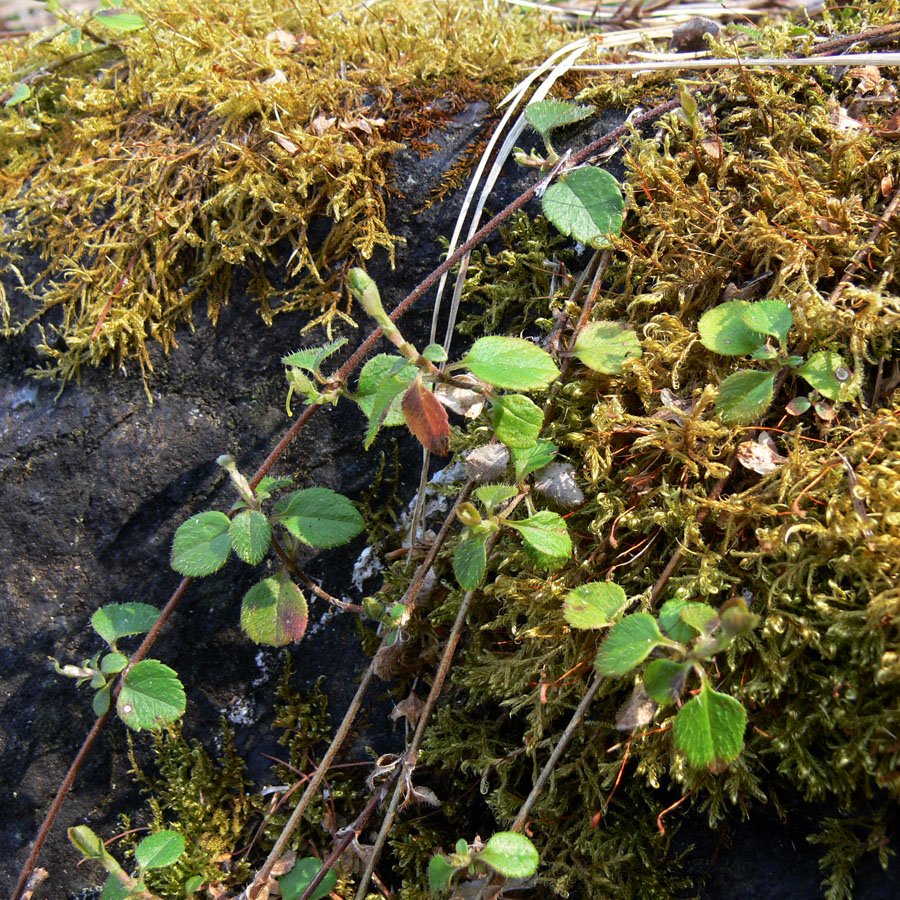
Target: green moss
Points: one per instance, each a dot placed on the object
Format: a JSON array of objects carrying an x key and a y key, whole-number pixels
[{"x": 222, "y": 135}]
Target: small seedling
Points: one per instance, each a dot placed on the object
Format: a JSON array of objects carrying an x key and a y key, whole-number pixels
[
  {"x": 274, "y": 611},
  {"x": 507, "y": 853},
  {"x": 709, "y": 729},
  {"x": 151, "y": 695},
  {"x": 157, "y": 851},
  {"x": 741, "y": 328}
]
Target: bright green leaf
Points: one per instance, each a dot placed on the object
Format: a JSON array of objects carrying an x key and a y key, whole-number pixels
[
  {"x": 604, "y": 346},
  {"x": 21, "y": 92},
  {"x": 116, "y": 620},
  {"x": 517, "y": 421},
  {"x": 674, "y": 625},
  {"x": 87, "y": 842},
  {"x": 113, "y": 663},
  {"x": 546, "y": 538},
  {"x": 698, "y": 616},
  {"x": 193, "y": 884},
  {"x": 120, "y": 19},
  {"x": 250, "y": 536},
  {"x": 772, "y": 317},
  {"x": 435, "y": 353},
  {"x": 151, "y": 696},
  {"x": 745, "y": 396},
  {"x": 545, "y": 115},
  {"x": 295, "y": 882},
  {"x": 827, "y": 373},
  {"x": 594, "y": 605},
  {"x": 723, "y": 331},
  {"x": 114, "y": 889},
  {"x": 102, "y": 701},
  {"x": 529, "y": 459},
  {"x": 629, "y": 642},
  {"x": 312, "y": 357},
  {"x": 492, "y": 495},
  {"x": 381, "y": 384},
  {"x": 201, "y": 544},
  {"x": 664, "y": 680},
  {"x": 470, "y": 561},
  {"x": 511, "y": 363},
  {"x": 159, "y": 850},
  {"x": 798, "y": 406},
  {"x": 440, "y": 871},
  {"x": 267, "y": 486},
  {"x": 510, "y": 854},
  {"x": 709, "y": 729},
  {"x": 320, "y": 517},
  {"x": 274, "y": 612},
  {"x": 586, "y": 204}
]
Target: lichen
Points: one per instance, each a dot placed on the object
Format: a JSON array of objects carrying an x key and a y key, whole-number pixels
[{"x": 254, "y": 134}]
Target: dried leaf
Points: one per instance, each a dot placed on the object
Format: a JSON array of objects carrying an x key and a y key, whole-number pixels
[
  {"x": 760, "y": 456},
  {"x": 712, "y": 147},
  {"x": 890, "y": 129},
  {"x": 285, "y": 39},
  {"x": 284, "y": 864},
  {"x": 278, "y": 77},
  {"x": 459, "y": 400},
  {"x": 839, "y": 119},
  {"x": 386, "y": 660},
  {"x": 411, "y": 708},
  {"x": 361, "y": 124},
  {"x": 557, "y": 481},
  {"x": 869, "y": 78},
  {"x": 488, "y": 462},
  {"x": 285, "y": 143},
  {"x": 637, "y": 712},
  {"x": 320, "y": 124},
  {"x": 667, "y": 413},
  {"x": 426, "y": 418}
]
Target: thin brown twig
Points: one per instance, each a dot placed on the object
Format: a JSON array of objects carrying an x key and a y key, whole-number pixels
[{"x": 882, "y": 31}]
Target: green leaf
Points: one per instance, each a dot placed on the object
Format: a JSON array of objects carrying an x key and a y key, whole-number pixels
[
  {"x": 545, "y": 537},
  {"x": 113, "y": 663},
  {"x": 745, "y": 396},
  {"x": 114, "y": 889},
  {"x": 250, "y": 536},
  {"x": 295, "y": 882},
  {"x": 274, "y": 612},
  {"x": 709, "y": 729},
  {"x": 116, "y": 620},
  {"x": 201, "y": 544},
  {"x": 698, "y": 616},
  {"x": 151, "y": 696},
  {"x": 664, "y": 680},
  {"x": 492, "y": 495},
  {"x": 193, "y": 884},
  {"x": 510, "y": 854},
  {"x": 594, "y": 605},
  {"x": 586, "y": 204},
  {"x": 772, "y": 317},
  {"x": 470, "y": 561},
  {"x": 674, "y": 625},
  {"x": 798, "y": 406},
  {"x": 545, "y": 115},
  {"x": 511, "y": 363},
  {"x": 311, "y": 358},
  {"x": 604, "y": 346},
  {"x": 320, "y": 517},
  {"x": 87, "y": 842},
  {"x": 440, "y": 871},
  {"x": 102, "y": 701},
  {"x": 435, "y": 353},
  {"x": 723, "y": 331},
  {"x": 827, "y": 373},
  {"x": 267, "y": 486},
  {"x": 517, "y": 421},
  {"x": 159, "y": 850},
  {"x": 529, "y": 459},
  {"x": 629, "y": 642},
  {"x": 120, "y": 19},
  {"x": 21, "y": 92},
  {"x": 381, "y": 383}
]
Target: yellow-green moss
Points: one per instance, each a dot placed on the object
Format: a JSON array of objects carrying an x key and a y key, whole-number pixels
[{"x": 223, "y": 134}]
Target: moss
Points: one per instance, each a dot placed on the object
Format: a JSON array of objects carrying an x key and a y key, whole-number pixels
[{"x": 220, "y": 135}]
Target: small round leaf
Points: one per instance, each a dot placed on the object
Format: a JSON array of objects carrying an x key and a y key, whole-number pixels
[
  {"x": 745, "y": 396},
  {"x": 664, "y": 680},
  {"x": 722, "y": 330},
  {"x": 511, "y": 363},
  {"x": 117, "y": 620},
  {"x": 629, "y": 642},
  {"x": 201, "y": 544},
  {"x": 510, "y": 854},
  {"x": 587, "y": 205},
  {"x": 159, "y": 850},
  {"x": 772, "y": 317},
  {"x": 250, "y": 536},
  {"x": 827, "y": 373},
  {"x": 545, "y": 115},
  {"x": 320, "y": 517},
  {"x": 709, "y": 730},
  {"x": 151, "y": 696},
  {"x": 604, "y": 346},
  {"x": 594, "y": 605},
  {"x": 440, "y": 871},
  {"x": 274, "y": 612},
  {"x": 470, "y": 561},
  {"x": 546, "y": 538},
  {"x": 295, "y": 882},
  {"x": 517, "y": 421}
]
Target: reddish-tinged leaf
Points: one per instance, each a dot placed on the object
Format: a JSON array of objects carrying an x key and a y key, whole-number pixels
[{"x": 426, "y": 418}]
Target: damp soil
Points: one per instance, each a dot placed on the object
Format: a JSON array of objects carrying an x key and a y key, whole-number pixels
[{"x": 94, "y": 482}]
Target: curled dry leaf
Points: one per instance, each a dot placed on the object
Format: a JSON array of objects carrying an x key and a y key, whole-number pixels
[
  {"x": 284, "y": 864},
  {"x": 320, "y": 124},
  {"x": 361, "y": 124},
  {"x": 557, "y": 482},
  {"x": 411, "y": 708},
  {"x": 285, "y": 39},
  {"x": 387, "y": 658},
  {"x": 638, "y": 711},
  {"x": 840, "y": 120},
  {"x": 670, "y": 403},
  {"x": 488, "y": 462},
  {"x": 277, "y": 77},
  {"x": 459, "y": 400},
  {"x": 760, "y": 456},
  {"x": 285, "y": 143}
]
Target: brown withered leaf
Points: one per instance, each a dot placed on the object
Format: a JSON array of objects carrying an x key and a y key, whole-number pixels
[
  {"x": 638, "y": 711},
  {"x": 890, "y": 129},
  {"x": 284, "y": 864},
  {"x": 760, "y": 456},
  {"x": 411, "y": 707},
  {"x": 285, "y": 39},
  {"x": 277, "y": 77},
  {"x": 387, "y": 658},
  {"x": 361, "y": 124},
  {"x": 459, "y": 400},
  {"x": 285, "y": 143},
  {"x": 320, "y": 124},
  {"x": 487, "y": 462},
  {"x": 426, "y": 418}
]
